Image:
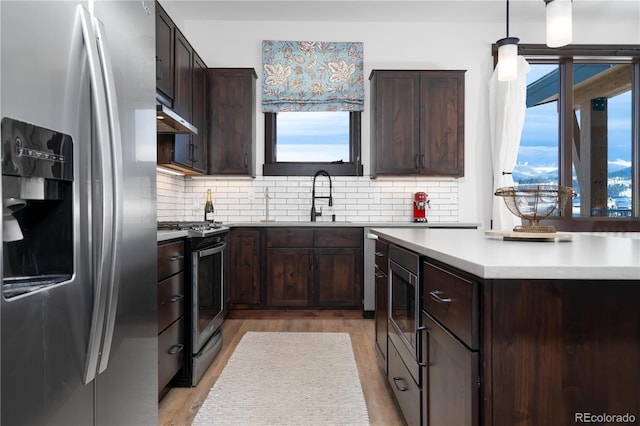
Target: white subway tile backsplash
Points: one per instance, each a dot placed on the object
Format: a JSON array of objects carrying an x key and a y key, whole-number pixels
[{"x": 356, "y": 199}]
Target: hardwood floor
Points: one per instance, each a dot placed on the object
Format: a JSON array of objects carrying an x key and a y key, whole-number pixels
[{"x": 180, "y": 406}]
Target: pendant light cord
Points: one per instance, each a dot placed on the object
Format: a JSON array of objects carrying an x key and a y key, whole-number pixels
[{"x": 507, "y": 18}]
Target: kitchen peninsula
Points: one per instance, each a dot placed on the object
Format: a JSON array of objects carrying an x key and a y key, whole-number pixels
[{"x": 524, "y": 333}]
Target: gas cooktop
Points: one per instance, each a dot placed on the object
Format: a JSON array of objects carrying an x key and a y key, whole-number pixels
[
  {"x": 186, "y": 225},
  {"x": 195, "y": 228}
]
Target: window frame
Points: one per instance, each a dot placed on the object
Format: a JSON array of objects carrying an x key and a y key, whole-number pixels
[
  {"x": 271, "y": 167},
  {"x": 564, "y": 57}
]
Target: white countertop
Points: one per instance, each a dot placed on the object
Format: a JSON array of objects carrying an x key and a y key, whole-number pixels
[
  {"x": 421, "y": 225},
  {"x": 583, "y": 257},
  {"x": 170, "y": 235}
]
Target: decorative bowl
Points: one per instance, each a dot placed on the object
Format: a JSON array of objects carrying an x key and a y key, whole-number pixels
[{"x": 534, "y": 203}]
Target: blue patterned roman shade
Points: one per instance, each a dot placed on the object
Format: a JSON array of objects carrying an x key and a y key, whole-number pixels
[{"x": 312, "y": 76}]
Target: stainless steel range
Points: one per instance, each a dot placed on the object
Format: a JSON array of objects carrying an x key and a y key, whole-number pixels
[{"x": 205, "y": 245}]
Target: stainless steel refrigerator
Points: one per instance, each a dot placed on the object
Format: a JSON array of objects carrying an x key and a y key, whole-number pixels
[{"x": 78, "y": 342}]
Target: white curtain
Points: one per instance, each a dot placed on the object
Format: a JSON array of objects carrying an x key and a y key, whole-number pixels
[{"x": 507, "y": 107}]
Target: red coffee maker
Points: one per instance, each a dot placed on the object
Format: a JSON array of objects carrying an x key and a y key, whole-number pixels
[{"x": 420, "y": 204}]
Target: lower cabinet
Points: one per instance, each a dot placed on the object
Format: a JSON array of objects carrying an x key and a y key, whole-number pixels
[
  {"x": 245, "y": 254},
  {"x": 171, "y": 338},
  {"x": 312, "y": 267},
  {"x": 405, "y": 390},
  {"x": 523, "y": 352},
  {"x": 337, "y": 277},
  {"x": 289, "y": 277},
  {"x": 170, "y": 353},
  {"x": 449, "y": 379},
  {"x": 299, "y": 267}
]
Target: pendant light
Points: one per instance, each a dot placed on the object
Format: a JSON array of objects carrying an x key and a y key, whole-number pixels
[
  {"x": 507, "y": 55},
  {"x": 559, "y": 26}
]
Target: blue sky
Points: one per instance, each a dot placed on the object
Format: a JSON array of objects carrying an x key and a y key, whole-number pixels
[{"x": 322, "y": 136}]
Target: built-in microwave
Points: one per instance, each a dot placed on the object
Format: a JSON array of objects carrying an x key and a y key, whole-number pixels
[{"x": 404, "y": 307}]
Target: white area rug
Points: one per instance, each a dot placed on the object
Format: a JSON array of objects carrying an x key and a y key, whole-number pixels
[{"x": 287, "y": 378}]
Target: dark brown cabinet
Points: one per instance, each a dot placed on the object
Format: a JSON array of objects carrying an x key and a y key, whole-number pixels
[
  {"x": 404, "y": 388},
  {"x": 381, "y": 275},
  {"x": 171, "y": 337},
  {"x": 560, "y": 349},
  {"x": 164, "y": 53},
  {"x": 181, "y": 86},
  {"x": 232, "y": 121},
  {"x": 199, "y": 116},
  {"x": 417, "y": 126},
  {"x": 515, "y": 351},
  {"x": 450, "y": 316},
  {"x": 337, "y": 277},
  {"x": 288, "y": 277},
  {"x": 314, "y": 267},
  {"x": 245, "y": 253},
  {"x": 183, "y": 149},
  {"x": 450, "y": 378},
  {"x": 183, "y": 76}
]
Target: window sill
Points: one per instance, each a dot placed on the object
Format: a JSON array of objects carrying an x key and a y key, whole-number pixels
[{"x": 309, "y": 169}]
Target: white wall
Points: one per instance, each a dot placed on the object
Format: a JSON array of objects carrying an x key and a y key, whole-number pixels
[{"x": 406, "y": 45}]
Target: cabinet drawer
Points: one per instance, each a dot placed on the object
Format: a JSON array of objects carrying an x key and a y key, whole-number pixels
[
  {"x": 170, "y": 352},
  {"x": 290, "y": 238},
  {"x": 341, "y": 237},
  {"x": 170, "y": 259},
  {"x": 404, "y": 388},
  {"x": 170, "y": 300},
  {"x": 452, "y": 300},
  {"x": 382, "y": 256}
]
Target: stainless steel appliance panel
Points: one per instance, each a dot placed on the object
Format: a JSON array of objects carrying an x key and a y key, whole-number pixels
[
  {"x": 207, "y": 282},
  {"x": 127, "y": 389},
  {"x": 45, "y": 80}
]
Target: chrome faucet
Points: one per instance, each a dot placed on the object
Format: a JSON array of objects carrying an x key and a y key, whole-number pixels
[{"x": 315, "y": 214}]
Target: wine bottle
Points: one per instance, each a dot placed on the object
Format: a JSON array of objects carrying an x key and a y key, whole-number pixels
[{"x": 208, "y": 208}]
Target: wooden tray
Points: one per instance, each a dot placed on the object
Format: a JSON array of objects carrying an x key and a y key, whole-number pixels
[{"x": 530, "y": 236}]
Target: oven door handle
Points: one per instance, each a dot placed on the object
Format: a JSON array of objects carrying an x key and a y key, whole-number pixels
[
  {"x": 403, "y": 273},
  {"x": 212, "y": 250}
]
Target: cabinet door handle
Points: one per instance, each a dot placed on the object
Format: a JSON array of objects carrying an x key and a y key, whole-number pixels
[
  {"x": 379, "y": 275},
  {"x": 417, "y": 164},
  {"x": 435, "y": 295},
  {"x": 195, "y": 154},
  {"x": 158, "y": 68},
  {"x": 176, "y": 257},
  {"x": 175, "y": 349},
  {"x": 246, "y": 160},
  {"x": 379, "y": 254},
  {"x": 395, "y": 382},
  {"x": 176, "y": 298}
]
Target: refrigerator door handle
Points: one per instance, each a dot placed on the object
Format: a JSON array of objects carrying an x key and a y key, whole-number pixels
[
  {"x": 101, "y": 264},
  {"x": 117, "y": 184}
]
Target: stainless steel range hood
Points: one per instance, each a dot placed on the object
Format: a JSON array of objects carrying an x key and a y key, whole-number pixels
[{"x": 167, "y": 121}]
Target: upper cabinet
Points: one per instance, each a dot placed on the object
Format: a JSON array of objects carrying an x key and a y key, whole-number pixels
[
  {"x": 165, "y": 30},
  {"x": 180, "y": 86},
  {"x": 232, "y": 121},
  {"x": 417, "y": 124},
  {"x": 199, "y": 115},
  {"x": 183, "y": 77}
]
